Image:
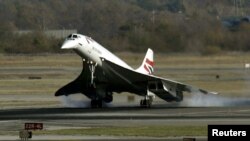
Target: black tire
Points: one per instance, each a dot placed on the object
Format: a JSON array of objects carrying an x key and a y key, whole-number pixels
[
  {"x": 93, "y": 104},
  {"x": 148, "y": 103},
  {"x": 99, "y": 103},
  {"x": 145, "y": 103},
  {"x": 142, "y": 103},
  {"x": 96, "y": 103}
]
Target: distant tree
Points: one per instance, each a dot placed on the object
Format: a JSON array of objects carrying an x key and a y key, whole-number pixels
[{"x": 124, "y": 25}]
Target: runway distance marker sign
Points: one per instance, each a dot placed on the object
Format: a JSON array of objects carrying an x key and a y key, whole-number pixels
[{"x": 33, "y": 126}]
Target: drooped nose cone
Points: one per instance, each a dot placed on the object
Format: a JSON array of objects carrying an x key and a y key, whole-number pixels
[{"x": 69, "y": 44}]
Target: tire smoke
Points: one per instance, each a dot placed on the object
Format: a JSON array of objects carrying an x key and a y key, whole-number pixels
[
  {"x": 78, "y": 101},
  {"x": 201, "y": 100},
  {"x": 72, "y": 102}
]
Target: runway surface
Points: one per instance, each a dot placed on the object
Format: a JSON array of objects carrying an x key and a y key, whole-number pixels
[
  {"x": 127, "y": 113},
  {"x": 67, "y": 118}
]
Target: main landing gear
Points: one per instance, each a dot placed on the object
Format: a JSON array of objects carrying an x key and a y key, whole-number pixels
[
  {"x": 96, "y": 103},
  {"x": 147, "y": 101}
]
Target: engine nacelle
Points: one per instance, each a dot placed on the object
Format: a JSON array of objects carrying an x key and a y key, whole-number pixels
[
  {"x": 179, "y": 96},
  {"x": 165, "y": 91}
]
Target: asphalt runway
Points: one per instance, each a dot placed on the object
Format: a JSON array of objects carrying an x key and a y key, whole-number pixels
[
  {"x": 66, "y": 118},
  {"x": 124, "y": 113}
]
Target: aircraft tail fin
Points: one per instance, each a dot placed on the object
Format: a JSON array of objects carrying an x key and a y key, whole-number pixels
[{"x": 147, "y": 66}]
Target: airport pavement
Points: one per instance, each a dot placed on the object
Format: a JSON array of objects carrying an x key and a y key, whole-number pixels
[
  {"x": 123, "y": 113},
  {"x": 67, "y": 118}
]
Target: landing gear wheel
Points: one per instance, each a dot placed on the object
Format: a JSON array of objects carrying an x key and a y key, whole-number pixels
[
  {"x": 99, "y": 103},
  {"x": 96, "y": 103},
  {"x": 146, "y": 103}
]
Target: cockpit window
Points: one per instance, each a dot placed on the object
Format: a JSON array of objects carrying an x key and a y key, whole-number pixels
[
  {"x": 69, "y": 36},
  {"x": 73, "y": 36}
]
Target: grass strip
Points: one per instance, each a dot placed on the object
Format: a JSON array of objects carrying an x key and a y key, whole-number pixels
[{"x": 148, "y": 131}]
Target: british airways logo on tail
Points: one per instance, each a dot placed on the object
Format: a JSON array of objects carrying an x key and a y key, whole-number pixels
[{"x": 148, "y": 66}]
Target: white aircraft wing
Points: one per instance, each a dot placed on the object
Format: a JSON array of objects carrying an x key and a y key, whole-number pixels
[{"x": 166, "y": 89}]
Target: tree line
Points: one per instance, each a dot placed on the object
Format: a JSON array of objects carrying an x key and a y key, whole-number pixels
[{"x": 169, "y": 26}]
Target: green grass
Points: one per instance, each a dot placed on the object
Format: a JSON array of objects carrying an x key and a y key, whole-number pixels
[
  {"x": 26, "y": 86},
  {"x": 148, "y": 131},
  {"x": 61, "y": 69}
]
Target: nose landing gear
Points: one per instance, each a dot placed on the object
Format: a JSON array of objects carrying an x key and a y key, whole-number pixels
[{"x": 92, "y": 67}]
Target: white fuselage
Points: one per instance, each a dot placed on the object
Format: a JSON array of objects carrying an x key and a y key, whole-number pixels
[
  {"x": 114, "y": 75},
  {"x": 89, "y": 49}
]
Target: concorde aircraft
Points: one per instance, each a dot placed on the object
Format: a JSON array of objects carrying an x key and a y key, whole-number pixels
[{"x": 104, "y": 73}]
